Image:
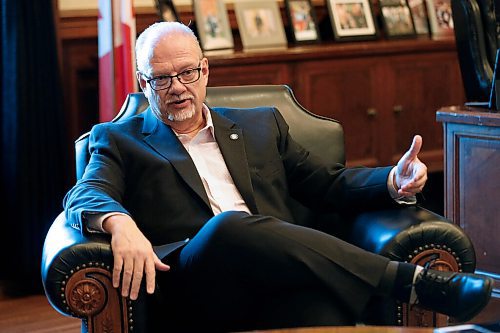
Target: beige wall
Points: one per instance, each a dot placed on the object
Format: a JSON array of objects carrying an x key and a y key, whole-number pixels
[{"x": 92, "y": 4}]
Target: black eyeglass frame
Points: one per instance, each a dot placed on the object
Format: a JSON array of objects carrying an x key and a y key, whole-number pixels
[{"x": 171, "y": 77}]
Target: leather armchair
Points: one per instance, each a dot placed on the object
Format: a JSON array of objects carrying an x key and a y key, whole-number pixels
[
  {"x": 477, "y": 40},
  {"x": 76, "y": 268}
]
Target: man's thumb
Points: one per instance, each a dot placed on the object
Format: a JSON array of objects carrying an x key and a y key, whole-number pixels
[{"x": 416, "y": 145}]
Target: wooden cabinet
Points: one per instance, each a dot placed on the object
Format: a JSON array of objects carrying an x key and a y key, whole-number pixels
[
  {"x": 383, "y": 92},
  {"x": 421, "y": 86},
  {"x": 383, "y": 101},
  {"x": 472, "y": 177},
  {"x": 346, "y": 90},
  {"x": 234, "y": 74}
]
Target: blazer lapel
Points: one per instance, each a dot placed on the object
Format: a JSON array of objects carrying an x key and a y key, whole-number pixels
[
  {"x": 230, "y": 140},
  {"x": 162, "y": 139}
]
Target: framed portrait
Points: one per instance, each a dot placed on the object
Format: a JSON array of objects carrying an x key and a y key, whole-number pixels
[
  {"x": 166, "y": 10},
  {"x": 212, "y": 24},
  {"x": 302, "y": 20},
  {"x": 440, "y": 19},
  {"x": 397, "y": 19},
  {"x": 260, "y": 24},
  {"x": 352, "y": 19},
  {"x": 419, "y": 15}
]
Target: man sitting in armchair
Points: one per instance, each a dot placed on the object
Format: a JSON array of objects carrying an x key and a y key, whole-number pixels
[{"x": 223, "y": 179}]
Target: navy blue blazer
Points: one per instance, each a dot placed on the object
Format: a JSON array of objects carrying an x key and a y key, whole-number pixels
[{"x": 139, "y": 167}]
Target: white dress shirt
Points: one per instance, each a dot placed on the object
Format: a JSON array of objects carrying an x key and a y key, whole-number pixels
[{"x": 207, "y": 157}]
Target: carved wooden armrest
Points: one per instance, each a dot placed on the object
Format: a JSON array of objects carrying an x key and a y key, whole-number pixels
[{"x": 77, "y": 277}]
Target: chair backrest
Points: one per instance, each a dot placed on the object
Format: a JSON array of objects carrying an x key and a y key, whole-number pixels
[{"x": 322, "y": 136}]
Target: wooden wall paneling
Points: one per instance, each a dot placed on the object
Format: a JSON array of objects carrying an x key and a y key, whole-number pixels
[
  {"x": 145, "y": 20},
  {"x": 77, "y": 27},
  {"x": 80, "y": 84}
]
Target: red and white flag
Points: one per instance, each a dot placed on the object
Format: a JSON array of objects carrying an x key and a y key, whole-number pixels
[{"x": 116, "y": 40}]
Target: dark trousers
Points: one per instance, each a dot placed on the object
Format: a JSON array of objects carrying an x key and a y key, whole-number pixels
[{"x": 243, "y": 272}]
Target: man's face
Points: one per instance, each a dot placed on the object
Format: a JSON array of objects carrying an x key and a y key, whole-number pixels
[{"x": 179, "y": 103}]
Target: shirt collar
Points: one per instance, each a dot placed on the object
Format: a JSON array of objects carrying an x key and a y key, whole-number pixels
[
  {"x": 208, "y": 129},
  {"x": 208, "y": 118}
]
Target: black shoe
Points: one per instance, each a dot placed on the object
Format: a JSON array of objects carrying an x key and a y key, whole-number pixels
[{"x": 458, "y": 295}]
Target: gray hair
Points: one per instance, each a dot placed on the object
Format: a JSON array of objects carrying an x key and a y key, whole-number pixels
[{"x": 148, "y": 38}]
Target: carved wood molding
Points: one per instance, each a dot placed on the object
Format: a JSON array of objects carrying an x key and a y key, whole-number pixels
[
  {"x": 86, "y": 297},
  {"x": 90, "y": 295}
]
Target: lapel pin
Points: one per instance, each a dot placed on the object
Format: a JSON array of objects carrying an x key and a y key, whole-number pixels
[{"x": 234, "y": 136}]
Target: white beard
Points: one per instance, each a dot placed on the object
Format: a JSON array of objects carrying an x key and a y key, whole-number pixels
[
  {"x": 176, "y": 117},
  {"x": 181, "y": 116}
]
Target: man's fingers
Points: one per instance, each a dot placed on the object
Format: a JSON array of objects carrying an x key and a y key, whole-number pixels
[
  {"x": 159, "y": 265},
  {"x": 150, "y": 276},
  {"x": 416, "y": 145},
  {"x": 128, "y": 269},
  {"x": 134, "y": 256},
  {"x": 136, "y": 279},
  {"x": 117, "y": 270}
]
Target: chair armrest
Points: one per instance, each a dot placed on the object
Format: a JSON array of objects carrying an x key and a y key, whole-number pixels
[
  {"x": 77, "y": 278},
  {"x": 414, "y": 234}
]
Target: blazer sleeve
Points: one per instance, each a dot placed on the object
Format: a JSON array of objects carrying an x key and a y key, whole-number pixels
[
  {"x": 102, "y": 186},
  {"x": 331, "y": 187}
]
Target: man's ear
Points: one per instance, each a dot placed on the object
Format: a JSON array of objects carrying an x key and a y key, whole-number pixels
[
  {"x": 141, "y": 80},
  {"x": 205, "y": 71}
]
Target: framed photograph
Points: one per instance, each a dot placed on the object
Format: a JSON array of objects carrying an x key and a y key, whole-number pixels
[
  {"x": 212, "y": 23},
  {"x": 440, "y": 19},
  {"x": 419, "y": 15},
  {"x": 260, "y": 24},
  {"x": 166, "y": 10},
  {"x": 397, "y": 19},
  {"x": 352, "y": 19},
  {"x": 302, "y": 20}
]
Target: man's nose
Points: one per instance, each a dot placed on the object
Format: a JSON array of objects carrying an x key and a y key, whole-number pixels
[{"x": 176, "y": 85}]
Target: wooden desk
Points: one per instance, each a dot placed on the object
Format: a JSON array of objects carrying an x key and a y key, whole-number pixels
[{"x": 472, "y": 182}]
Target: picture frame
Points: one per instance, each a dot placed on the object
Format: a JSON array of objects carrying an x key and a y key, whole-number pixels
[
  {"x": 302, "y": 21},
  {"x": 212, "y": 23},
  {"x": 419, "y": 15},
  {"x": 352, "y": 19},
  {"x": 397, "y": 19},
  {"x": 260, "y": 24},
  {"x": 166, "y": 10},
  {"x": 440, "y": 19}
]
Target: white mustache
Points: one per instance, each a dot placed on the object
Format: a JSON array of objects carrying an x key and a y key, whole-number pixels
[{"x": 180, "y": 98}]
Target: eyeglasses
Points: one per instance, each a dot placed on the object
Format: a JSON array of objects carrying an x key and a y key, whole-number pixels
[{"x": 165, "y": 81}]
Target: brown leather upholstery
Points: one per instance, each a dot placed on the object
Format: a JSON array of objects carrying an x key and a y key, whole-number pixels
[{"x": 76, "y": 268}]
